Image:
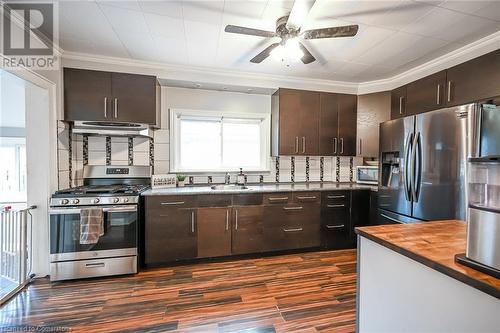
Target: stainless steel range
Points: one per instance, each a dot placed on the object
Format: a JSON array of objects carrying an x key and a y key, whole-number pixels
[{"x": 115, "y": 191}]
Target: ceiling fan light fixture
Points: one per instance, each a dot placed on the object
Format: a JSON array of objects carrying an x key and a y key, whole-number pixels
[{"x": 289, "y": 51}]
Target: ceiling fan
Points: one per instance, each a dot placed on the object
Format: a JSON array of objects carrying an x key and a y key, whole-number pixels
[{"x": 288, "y": 29}]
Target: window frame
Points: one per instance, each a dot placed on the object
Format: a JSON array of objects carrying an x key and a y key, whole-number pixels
[{"x": 265, "y": 137}]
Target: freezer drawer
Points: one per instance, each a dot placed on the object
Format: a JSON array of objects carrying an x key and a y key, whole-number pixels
[{"x": 387, "y": 217}]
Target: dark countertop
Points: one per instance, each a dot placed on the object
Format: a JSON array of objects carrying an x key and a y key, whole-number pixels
[
  {"x": 435, "y": 245},
  {"x": 262, "y": 188}
]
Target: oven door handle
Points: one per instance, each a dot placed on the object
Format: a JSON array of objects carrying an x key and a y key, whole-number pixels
[{"x": 118, "y": 209}]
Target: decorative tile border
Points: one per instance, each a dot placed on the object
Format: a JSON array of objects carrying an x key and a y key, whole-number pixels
[
  {"x": 321, "y": 169},
  {"x": 152, "y": 154},
  {"x": 85, "y": 150},
  {"x": 277, "y": 169},
  {"x": 307, "y": 168},
  {"x": 191, "y": 180},
  {"x": 337, "y": 169},
  {"x": 261, "y": 179},
  {"x": 292, "y": 167},
  {"x": 70, "y": 157},
  {"x": 130, "y": 151},
  {"x": 209, "y": 179},
  {"x": 351, "y": 171},
  {"x": 108, "y": 150}
]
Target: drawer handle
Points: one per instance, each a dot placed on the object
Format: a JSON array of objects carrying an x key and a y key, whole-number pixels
[
  {"x": 307, "y": 198},
  {"x": 173, "y": 203},
  {"x": 293, "y": 208},
  {"x": 340, "y": 226},
  {"x": 292, "y": 230},
  {"x": 336, "y": 196},
  {"x": 335, "y": 206},
  {"x": 278, "y": 199},
  {"x": 95, "y": 265}
]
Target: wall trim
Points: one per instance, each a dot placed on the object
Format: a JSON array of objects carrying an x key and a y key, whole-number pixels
[{"x": 261, "y": 80}]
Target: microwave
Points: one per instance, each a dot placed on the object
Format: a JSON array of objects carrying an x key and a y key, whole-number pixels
[{"x": 367, "y": 174}]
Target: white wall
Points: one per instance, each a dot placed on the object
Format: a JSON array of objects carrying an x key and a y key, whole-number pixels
[{"x": 12, "y": 107}]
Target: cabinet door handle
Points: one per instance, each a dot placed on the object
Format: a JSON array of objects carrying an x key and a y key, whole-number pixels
[
  {"x": 227, "y": 220},
  {"x": 335, "y": 206},
  {"x": 438, "y": 97},
  {"x": 105, "y": 107},
  {"x": 340, "y": 226},
  {"x": 116, "y": 107},
  {"x": 335, "y": 145},
  {"x": 312, "y": 197},
  {"x": 342, "y": 145},
  {"x": 401, "y": 105},
  {"x": 192, "y": 221},
  {"x": 274, "y": 199},
  {"x": 296, "y": 145},
  {"x": 303, "y": 145},
  {"x": 335, "y": 196},
  {"x": 293, "y": 208},
  {"x": 292, "y": 230},
  {"x": 360, "y": 146},
  {"x": 449, "y": 91},
  {"x": 172, "y": 203}
]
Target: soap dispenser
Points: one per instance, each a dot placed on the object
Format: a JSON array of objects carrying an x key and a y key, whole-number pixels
[{"x": 241, "y": 178}]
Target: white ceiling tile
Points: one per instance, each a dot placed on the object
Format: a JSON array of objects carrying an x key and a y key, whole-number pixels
[
  {"x": 170, "y": 50},
  {"x": 125, "y": 19},
  {"x": 139, "y": 45},
  {"x": 129, "y": 4},
  {"x": 165, "y": 25},
  {"x": 434, "y": 22},
  {"x": 276, "y": 9},
  {"x": 246, "y": 9},
  {"x": 398, "y": 17},
  {"x": 421, "y": 46},
  {"x": 465, "y": 6},
  {"x": 491, "y": 11},
  {"x": 166, "y": 8},
  {"x": 474, "y": 28},
  {"x": 202, "y": 41},
  {"x": 203, "y": 11}
]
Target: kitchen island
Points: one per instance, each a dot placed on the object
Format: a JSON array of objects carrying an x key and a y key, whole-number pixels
[{"x": 408, "y": 280}]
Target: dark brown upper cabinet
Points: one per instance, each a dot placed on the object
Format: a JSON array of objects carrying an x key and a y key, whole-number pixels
[
  {"x": 295, "y": 115},
  {"x": 474, "y": 80},
  {"x": 398, "y": 102},
  {"x": 105, "y": 96},
  {"x": 426, "y": 94},
  {"x": 337, "y": 124}
]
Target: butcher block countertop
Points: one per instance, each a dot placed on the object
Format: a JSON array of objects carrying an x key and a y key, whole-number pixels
[{"x": 435, "y": 245}]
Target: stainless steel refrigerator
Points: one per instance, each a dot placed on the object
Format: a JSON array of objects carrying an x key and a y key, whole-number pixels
[{"x": 423, "y": 162}]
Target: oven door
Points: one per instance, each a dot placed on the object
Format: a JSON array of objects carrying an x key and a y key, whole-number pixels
[{"x": 119, "y": 239}]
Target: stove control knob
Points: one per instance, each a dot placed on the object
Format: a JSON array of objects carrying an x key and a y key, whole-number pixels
[
  {"x": 75, "y": 201},
  {"x": 116, "y": 200},
  {"x": 64, "y": 201},
  {"x": 96, "y": 200},
  {"x": 125, "y": 199}
]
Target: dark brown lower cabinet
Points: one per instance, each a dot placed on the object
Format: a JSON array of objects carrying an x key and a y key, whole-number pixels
[
  {"x": 170, "y": 235},
  {"x": 248, "y": 230},
  {"x": 214, "y": 232},
  {"x": 291, "y": 226},
  {"x": 335, "y": 220},
  {"x": 360, "y": 211}
]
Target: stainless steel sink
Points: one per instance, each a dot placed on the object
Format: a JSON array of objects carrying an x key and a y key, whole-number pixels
[{"x": 229, "y": 187}]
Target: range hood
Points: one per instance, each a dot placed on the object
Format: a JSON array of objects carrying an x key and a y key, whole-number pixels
[{"x": 106, "y": 128}]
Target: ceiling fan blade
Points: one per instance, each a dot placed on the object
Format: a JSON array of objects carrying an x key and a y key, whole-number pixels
[
  {"x": 299, "y": 13},
  {"x": 235, "y": 29},
  {"x": 264, "y": 54},
  {"x": 307, "y": 58},
  {"x": 344, "y": 31}
]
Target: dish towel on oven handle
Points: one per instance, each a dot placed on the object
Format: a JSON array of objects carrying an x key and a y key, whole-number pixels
[{"x": 91, "y": 225}]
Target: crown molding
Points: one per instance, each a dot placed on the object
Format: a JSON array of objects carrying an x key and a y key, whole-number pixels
[
  {"x": 270, "y": 81},
  {"x": 465, "y": 53}
]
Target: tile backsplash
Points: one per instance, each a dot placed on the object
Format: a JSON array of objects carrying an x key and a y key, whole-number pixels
[{"x": 76, "y": 150}]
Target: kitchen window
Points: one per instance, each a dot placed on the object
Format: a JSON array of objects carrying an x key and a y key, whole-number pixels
[
  {"x": 203, "y": 141},
  {"x": 12, "y": 170}
]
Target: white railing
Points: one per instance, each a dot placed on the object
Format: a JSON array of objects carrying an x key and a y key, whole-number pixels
[{"x": 15, "y": 261}]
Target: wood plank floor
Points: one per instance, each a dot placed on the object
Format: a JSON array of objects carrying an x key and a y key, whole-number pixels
[{"x": 309, "y": 292}]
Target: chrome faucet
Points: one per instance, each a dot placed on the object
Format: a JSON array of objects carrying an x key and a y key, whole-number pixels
[{"x": 227, "y": 179}]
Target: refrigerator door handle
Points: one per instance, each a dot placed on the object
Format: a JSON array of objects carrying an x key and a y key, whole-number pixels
[
  {"x": 413, "y": 176},
  {"x": 408, "y": 149},
  {"x": 418, "y": 167}
]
